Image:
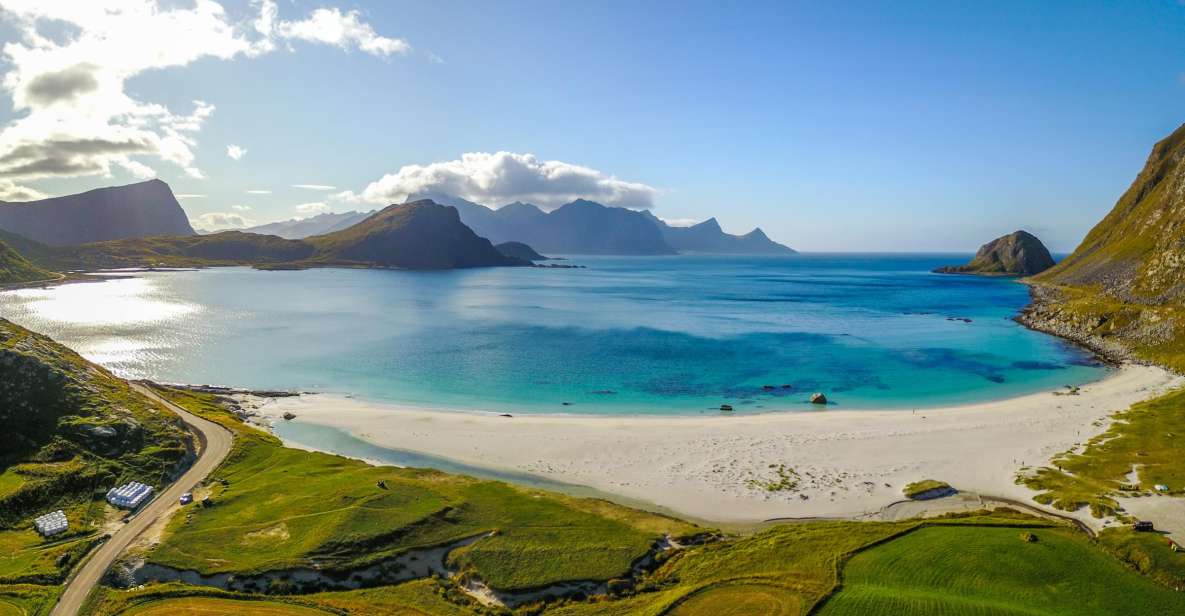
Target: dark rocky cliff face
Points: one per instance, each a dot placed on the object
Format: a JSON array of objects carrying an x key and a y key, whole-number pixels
[
  {"x": 117, "y": 212},
  {"x": 1017, "y": 254}
]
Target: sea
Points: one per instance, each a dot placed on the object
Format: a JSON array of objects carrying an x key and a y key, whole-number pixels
[{"x": 623, "y": 335}]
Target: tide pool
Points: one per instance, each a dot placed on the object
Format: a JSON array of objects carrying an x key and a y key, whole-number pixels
[{"x": 626, "y": 335}]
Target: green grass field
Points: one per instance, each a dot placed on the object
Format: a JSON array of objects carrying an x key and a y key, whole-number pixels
[
  {"x": 284, "y": 507},
  {"x": 957, "y": 570},
  {"x": 415, "y": 598},
  {"x": 27, "y": 599}
]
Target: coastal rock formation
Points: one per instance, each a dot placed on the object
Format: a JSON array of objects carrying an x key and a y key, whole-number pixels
[
  {"x": 519, "y": 250},
  {"x": 143, "y": 209},
  {"x": 416, "y": 235},
  {"x": 16, "y": 269},
  {"x": 1019, "y": 253}
]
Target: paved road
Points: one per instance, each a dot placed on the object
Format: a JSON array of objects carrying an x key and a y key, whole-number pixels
[{"x": 215, "y": 445}]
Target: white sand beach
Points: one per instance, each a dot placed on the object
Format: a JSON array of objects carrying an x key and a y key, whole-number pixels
[{"x": 849, "y": 463}]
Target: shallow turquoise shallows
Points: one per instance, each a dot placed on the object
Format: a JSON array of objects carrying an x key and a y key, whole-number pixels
[{"x": 625, "y": 335}]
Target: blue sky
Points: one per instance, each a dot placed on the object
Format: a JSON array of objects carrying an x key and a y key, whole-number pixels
[{"x": 833, "y": 126}]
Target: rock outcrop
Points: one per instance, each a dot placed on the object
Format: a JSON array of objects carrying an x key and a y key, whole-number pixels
[{"x": 1017, "y": 254}]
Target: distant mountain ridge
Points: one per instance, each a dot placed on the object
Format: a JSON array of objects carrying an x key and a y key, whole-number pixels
[
  {"x": 708, "y": 238},
  {"x": 117, "y": 212},
  {"x": 300, "y": 228},
  {"x": 417, "y": 235},
  {"x": 587, "y": 227}
]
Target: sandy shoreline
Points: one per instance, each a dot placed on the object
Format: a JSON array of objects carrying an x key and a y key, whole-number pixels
[{"x": 848, "y": 463}]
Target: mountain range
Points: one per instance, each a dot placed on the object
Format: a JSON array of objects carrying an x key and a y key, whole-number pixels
[
  {"x": 579, "y": 227},
  {"x": 112, "y": 213},
  {"x": 300, "y": 228},
  {"x": 417, "y": 235}
]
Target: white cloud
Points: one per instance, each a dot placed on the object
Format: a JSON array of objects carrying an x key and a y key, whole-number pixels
[
  {"x": 218, "y": 221},
  {"x": 321, "y": 187},
  {"x": 10, "y": 191},
  {"x": 433, "y": 58},
  {"x": 241, "y": 208},
  {"x": 236, "y": 152},
  {"x": 189, "y": 196},
  {"x": 68, "y": 66},
  {"x": 502, "y": 177},
  {"x": 258, "y": 192},
  {"x": 680, "y": 222},
  {"x": 333, "y": 27},
  {"x": 305, "y": 210}
]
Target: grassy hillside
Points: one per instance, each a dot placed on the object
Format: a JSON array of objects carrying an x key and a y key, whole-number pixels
[
  {"x": 68, "y": 429},
  {"x": 957, "y": 570},
  {"x": 1122, "y": 289},
  {"x": 16, "y": 269},
  {"x": 282, "y": 507},
  {"x": 979, "y": 563},
  {"x": 416, "y": 235}
]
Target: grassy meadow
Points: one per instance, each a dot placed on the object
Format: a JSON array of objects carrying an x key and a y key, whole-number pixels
[
  {"x": 956, "y": 570},
  {"x": 281, "y": 508}
]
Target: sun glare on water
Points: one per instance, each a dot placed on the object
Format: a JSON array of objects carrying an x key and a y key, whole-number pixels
[{"x": 132, "y": 301}]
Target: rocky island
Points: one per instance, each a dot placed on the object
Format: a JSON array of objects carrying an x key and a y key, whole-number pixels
[{"x": 1017, "y": 254}]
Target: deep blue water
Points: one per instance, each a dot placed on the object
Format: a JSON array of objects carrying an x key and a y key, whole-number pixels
[{"x": 646, "y": 335}]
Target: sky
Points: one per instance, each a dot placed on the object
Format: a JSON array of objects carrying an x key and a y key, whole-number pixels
[{"x": 833, "y": 126}]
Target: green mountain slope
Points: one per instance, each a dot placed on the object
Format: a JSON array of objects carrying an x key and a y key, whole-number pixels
[
  {"x": 416, "y": 235},
  {"x": 1122, "y": 289},
  {"x": 15, "y": 269}
]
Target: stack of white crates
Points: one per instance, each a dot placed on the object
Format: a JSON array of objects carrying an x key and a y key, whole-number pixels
[
  {"x": 51, "y": 523},
  {"x": 129, "y": 496}
]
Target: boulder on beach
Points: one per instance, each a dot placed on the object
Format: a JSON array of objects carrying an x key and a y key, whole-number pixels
[{"x": 818, "y": 398}]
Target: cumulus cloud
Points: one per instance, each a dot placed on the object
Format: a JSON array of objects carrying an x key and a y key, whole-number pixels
[
  {"x": 333, "y": 27},
  {"x": 10, "y": 191},
  {"x": 306, "y": 210},
  {"x": 681, "y": 222},
  {"x": 321, "y": 187},
  {"x": 68, "y": 65},
  {"x": 220, "y": 221},
  {"x": 235, "y": 152},
  {"x": 502, "y": 177}
]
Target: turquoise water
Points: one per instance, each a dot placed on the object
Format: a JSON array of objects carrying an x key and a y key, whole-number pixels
[{"x": 626, "y": 335}]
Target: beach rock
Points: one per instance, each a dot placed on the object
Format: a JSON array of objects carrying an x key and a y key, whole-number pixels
[
  {"x": 726, "y": 407},
  {"x": 1017, "y": 254},
  {"x": 289, "y": 415},
  {"x": 818, "y": 398}
]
